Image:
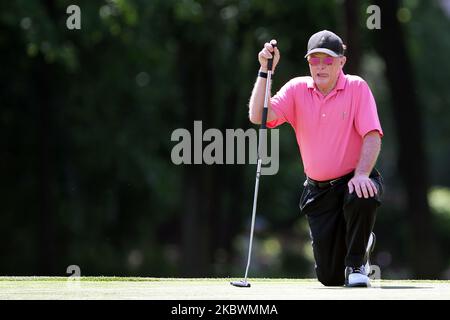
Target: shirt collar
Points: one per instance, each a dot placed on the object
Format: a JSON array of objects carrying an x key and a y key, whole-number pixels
[{"x": 342, "y": 80}]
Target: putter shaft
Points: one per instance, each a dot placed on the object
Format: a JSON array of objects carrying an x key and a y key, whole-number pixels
[
  {"x": 244, "y": 282},
  {"x": 258, "y": 174}
]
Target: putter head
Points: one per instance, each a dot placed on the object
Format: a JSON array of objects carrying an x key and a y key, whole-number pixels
[{"x": 240, "y": 284}]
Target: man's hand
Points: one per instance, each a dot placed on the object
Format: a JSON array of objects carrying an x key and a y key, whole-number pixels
[
  {"x": 363, "y": 186},
  {"x": 267, "y": 53},
  {"x": 361, "y": 182}
]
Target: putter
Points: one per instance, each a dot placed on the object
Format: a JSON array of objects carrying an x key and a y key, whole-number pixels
[{"x": 244, "y": 283}]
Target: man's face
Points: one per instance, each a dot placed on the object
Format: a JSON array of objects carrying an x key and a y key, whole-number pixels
[{"x": 324, "y": 73}]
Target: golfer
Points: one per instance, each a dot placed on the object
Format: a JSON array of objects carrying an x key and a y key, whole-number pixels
[{"x": 338, "y": 132}]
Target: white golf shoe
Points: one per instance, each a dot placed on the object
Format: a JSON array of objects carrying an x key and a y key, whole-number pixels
[
  {"x": 356, "y": 277},
  {"x": 359, "y": 276}
]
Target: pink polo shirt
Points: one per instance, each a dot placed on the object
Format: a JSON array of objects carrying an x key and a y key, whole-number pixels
[{"x": 329, "y": 129}]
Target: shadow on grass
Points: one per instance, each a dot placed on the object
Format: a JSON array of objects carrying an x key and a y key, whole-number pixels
[
  {"x": 402, "y": 287},
  {"x": 378, "y": 287}
]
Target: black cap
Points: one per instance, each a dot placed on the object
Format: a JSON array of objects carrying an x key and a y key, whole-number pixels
[{"x": 325, "y": 42}]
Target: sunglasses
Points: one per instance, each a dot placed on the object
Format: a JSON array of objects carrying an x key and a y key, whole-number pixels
[{"x": 314, "y": 61}]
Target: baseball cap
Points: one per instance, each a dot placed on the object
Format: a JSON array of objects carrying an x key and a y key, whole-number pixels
[{"x": 325, "y": 42}]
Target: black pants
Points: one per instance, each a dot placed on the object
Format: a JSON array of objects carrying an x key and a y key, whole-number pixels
[{"x": 340, "y": 225}]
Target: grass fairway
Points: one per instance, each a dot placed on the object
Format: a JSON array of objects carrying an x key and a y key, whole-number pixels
[{"x": 105, "y": 288}]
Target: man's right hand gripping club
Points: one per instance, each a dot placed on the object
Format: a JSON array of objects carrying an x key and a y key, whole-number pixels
[
  {"x": 256, "y": 103},
  {"x": 266, "y": 53}
]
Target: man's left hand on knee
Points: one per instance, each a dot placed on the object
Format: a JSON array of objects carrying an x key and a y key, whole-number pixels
[{"x": 362, "y": 185}]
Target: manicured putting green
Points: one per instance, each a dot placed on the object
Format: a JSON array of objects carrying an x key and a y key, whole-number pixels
[{"x": 105, "y": 288}]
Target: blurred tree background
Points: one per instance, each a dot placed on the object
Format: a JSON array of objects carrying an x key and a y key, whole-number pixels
[{"x": 86, "y": 118}]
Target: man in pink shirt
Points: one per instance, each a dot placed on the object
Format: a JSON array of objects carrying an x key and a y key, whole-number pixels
[{"x": 338, "y": 132}]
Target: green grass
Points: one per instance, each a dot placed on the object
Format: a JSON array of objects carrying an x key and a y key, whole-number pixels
[
  {"x": 149, "y": 288},
  {"x": 147, "y": 279},
  {"x": 152, "y": 279}
]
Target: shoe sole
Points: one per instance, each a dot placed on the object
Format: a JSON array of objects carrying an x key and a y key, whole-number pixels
[
  {"x": 358, "y": 285},
  {"x": 372, "y": 247},
  {"x": 370, "y": 250}
]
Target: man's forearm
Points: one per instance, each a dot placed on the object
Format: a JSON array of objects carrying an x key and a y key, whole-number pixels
[
  {"x": 369, "y": 153},
  {"x": 256, "y": 103}
]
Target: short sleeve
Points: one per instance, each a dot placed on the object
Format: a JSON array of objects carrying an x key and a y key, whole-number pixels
[
  {"x": 366, "y": 118},
  {"x": 282, "y": 104}
]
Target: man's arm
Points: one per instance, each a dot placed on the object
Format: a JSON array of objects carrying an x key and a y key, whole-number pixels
[
  {"x": 256, "y": 103},
  {"x": 370, "y": 150}
]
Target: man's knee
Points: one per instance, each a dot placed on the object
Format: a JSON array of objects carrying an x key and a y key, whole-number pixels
[
  {"x": 355, "y": 202},
  {"x": 331, "y": 279}
]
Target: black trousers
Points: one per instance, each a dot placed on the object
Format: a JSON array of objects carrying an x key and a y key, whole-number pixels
[{"x": 340, "y": 226}]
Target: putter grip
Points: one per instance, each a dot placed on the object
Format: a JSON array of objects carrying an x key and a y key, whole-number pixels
[
  {"x": 269, "y": 68},
  {"x": 264, "y": 118},
  {"x": 270, "y": 61}
]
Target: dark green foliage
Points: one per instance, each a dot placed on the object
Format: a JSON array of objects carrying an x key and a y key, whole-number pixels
[{"x": 86, "y": 118}]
